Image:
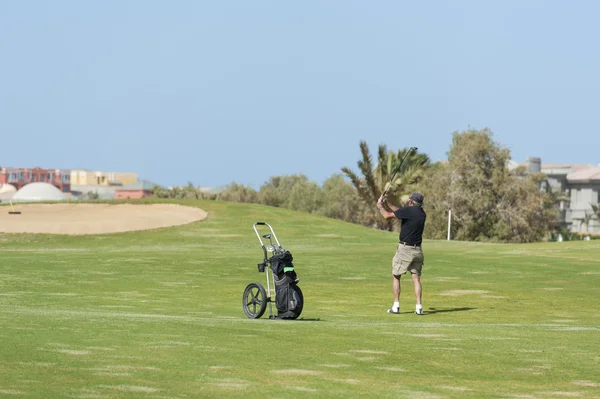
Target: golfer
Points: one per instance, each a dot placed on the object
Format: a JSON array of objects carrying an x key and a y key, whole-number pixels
[{"x": 409, "y": 255}]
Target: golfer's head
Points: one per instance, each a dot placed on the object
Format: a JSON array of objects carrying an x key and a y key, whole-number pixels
[{"x": 416, "y": 199}]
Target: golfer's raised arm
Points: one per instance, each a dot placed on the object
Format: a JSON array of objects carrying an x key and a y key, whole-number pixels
[
  {"x": 384, "y": 212},
  {"x": 391, "y": 207}
]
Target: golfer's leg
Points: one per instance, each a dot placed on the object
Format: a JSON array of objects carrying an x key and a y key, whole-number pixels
[
  {"x": 396, "y": 287},
  {"x": 417, "y": 285},
  {"x": 397, "y": 270}
]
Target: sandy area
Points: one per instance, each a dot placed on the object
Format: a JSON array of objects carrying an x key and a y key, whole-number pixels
[{"x": 95, "y": 218}]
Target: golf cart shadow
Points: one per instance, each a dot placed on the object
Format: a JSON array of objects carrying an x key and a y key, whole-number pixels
[
  {"x": 435, "y": 310},
  {"x": 309, "y": 319}
]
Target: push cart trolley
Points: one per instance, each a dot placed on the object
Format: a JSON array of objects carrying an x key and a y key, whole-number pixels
[{"x": 282, "y": 281}]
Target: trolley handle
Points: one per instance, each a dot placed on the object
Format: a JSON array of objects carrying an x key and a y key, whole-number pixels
[{"x": 270, "y": 228}]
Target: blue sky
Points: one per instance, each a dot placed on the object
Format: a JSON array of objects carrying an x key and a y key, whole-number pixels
[{"x": 218, "y": 91}]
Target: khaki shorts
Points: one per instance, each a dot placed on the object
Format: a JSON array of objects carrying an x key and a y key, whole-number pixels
[{"x": 407, "y": 259}]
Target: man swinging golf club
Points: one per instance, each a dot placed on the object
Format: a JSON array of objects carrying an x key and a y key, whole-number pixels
[{"x": 409, "y": 255}]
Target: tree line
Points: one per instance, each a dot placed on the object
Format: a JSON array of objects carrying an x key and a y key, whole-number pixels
[{"x": 489, "y": 201}]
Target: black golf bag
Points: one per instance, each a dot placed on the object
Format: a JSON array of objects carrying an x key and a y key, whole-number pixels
[{"x": 288, "y": 296}]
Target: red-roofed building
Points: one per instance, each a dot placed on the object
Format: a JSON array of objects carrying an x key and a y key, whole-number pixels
[
  {"x": 140, "y": 189},
  {"x": 18, "y": 177}
]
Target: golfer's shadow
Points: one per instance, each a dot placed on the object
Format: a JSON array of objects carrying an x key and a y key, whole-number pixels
[{"x": 435, "y": 310}]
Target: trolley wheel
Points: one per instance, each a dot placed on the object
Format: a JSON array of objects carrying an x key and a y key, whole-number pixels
[{"x": 254, "y": 300}]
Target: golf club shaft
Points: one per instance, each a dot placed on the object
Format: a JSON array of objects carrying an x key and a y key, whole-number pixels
[{"x": 399, "y": 166}]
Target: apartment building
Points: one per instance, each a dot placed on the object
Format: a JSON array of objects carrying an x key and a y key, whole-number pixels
[
  {"x": 19, "y": 177},
  {"x": 85, "y": 177},
  {"x": 583, "y": 190},
  {"x": 579, "y": 186}
]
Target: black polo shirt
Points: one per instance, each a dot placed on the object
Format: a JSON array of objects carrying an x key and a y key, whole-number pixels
[{"x": 413, "y": 223}]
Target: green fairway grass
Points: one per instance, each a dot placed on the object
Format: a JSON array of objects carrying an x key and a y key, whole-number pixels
[{"x": 157, "y": 314}]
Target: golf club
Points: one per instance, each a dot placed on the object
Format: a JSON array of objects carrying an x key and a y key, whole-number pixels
[{"x": 388, "y": 185}]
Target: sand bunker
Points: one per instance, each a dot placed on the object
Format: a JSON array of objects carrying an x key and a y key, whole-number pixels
[{"x": 95, "y": 218}]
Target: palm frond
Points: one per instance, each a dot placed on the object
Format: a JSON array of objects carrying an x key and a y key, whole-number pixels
[
  {"x": 366, "y": 167},
  {"x": 357, "y": 183},
  {"x": 380, "y": 172}
]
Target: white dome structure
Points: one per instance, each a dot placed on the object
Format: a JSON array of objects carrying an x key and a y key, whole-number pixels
[
  {"x": 38, "y": 192},
  {"x": 7, "y": 188}
]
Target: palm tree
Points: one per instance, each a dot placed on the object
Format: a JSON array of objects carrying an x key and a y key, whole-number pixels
[
  {"x": 411, "y": 172},
  {"x": 587, "y": 217},
  {"x": 159, "y": 192},
  {"x": 191, "y": 191},
  {"x": 176, "y": 192},
  {"x": 375, "y": 177},
  {"x": 596, "y": 209}
]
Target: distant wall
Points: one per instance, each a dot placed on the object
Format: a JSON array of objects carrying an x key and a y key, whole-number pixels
[
  {"x": 132, "y": 194},
  {"x": 80, "y": 191}
]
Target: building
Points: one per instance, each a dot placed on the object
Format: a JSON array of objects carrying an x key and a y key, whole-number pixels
[
  {"x": 85, "y": 177},
  {"x": 583, "y": 191},
  {"x": 141, "y": 189},
  {"x": 19, "y": 177},
  {"x": 7, "y": 188},
  {"x": 7, "y": 191},
  {"x": 87, "y": 184},
  {"x": 93, "y": 191},
  {"x": 578, "y": 187},
  {"x": 38, "y": 192}
]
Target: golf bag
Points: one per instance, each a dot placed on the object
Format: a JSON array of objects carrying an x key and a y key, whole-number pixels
[{"x": 288, "y": 296}]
